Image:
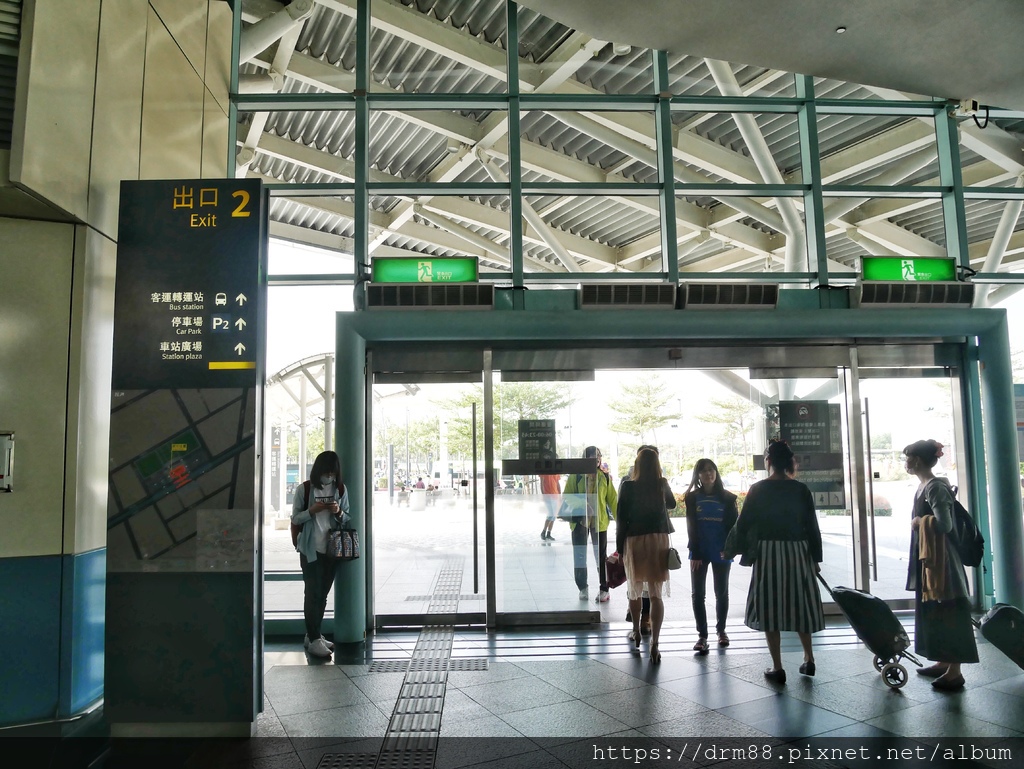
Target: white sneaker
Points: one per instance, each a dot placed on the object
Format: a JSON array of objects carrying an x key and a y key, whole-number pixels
[
  {"x": 305, "y": 643},
  {"x": 584, "y": 594},
  {"x": 602, "y": 597},
  {"x": 318, "y": 648}
]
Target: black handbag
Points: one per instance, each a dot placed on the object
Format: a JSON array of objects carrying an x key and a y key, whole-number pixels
[{"x": 747, "y": 549}]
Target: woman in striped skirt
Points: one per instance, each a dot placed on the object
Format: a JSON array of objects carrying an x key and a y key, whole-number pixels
[{"x": 778, "y": 514}]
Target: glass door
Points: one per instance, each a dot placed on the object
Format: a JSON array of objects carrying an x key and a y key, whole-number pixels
[
  {"x": 428, "y": 499},
  {"x": 898, "y": 407},
  {"x": 808, "y": 408}
]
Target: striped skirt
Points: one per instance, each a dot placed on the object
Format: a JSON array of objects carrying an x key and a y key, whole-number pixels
[{"x": 783, "y": 591}]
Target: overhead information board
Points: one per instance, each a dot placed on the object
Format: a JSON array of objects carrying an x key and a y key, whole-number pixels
[
  {"x": 402, "y": 269},
  {"x": 908, "y": 268},
  {"x": 185, "y": 304}
]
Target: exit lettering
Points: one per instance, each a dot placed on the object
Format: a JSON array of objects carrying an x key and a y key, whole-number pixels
[{"x": 202, "y": 220}]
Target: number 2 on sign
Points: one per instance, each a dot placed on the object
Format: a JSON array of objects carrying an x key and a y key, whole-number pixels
[{"x": 243, "y": 198}]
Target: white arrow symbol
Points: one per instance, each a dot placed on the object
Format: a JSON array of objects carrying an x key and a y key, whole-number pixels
[
  {"x": 241, "y": 299},
  {"x": 239, "y": 348},
  {"x": 240, "y": 323}
]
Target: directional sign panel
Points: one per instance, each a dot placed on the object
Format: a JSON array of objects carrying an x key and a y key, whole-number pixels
[{"x": 185, "y": 304}]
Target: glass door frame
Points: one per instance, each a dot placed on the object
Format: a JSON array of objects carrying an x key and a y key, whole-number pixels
[{"x": 981, "y": 332}]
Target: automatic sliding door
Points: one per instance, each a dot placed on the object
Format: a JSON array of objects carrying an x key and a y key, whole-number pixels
[
  {"x": 901, "y": 407},
  {"x": 427, "y": 521},
  {"x": 808, "y": 409}
]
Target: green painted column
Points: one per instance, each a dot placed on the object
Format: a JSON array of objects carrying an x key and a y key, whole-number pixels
[
  {"x": 1004, "y": 477},
  {"x": 350, "y": 443}
]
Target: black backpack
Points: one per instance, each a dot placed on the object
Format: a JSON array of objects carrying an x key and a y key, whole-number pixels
[{"x": 965, "y": 535}]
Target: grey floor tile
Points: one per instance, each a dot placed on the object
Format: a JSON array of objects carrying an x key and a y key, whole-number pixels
[
  {"x": 1014, "y": 686},
  {"x": 515, "y": 694},
  {"x": 590, "y": 679},
  {"x": 572, "y": 720},
  {"x": 709, "y": 723},
  {"x": 717, "y": 690},
  {"x": 989, "y": 705},
  {"x": 848, "y": 698},
  {"x": 317, "y": 695},
  {"x": 787, "y": 717},
  {"x": 459, "y": 705},
  {"x": 480, "y": 726},
  {"x": 485, "y": 758},
  {"x": 859, "y": 731},
  {"x": 644, "y": 705},
  {"x": 286, "y": 677},
  {"x": 350, "y": 721},
  {"x": 381, "y": 688},
  {"x": 496, "y": 671},
  {"x": 670, "y": 669},
  {"x": 927, "y": 720},
  {"x": 243, "y": 752}
]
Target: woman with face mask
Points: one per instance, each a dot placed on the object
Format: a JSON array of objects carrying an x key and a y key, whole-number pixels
[{"x": 318, "y": 506}]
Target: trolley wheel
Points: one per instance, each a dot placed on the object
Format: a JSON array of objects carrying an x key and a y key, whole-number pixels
[
  {"x": 894, "y": 675},
  {"x": 879, "y": 663}
]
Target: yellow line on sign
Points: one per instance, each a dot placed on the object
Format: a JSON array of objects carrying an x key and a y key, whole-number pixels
[{"x": 222, "y": 365}]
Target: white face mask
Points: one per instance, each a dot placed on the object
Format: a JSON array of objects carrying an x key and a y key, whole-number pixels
[{"x": 327, "y": 480}]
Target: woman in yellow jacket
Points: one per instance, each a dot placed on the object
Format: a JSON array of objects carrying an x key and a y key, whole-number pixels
[{"x": 601, "y": 501}]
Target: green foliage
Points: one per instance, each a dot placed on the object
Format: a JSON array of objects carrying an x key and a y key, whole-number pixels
[
  {"x": 512, "y": 401},
  {"x": 881, "y": 441},
  {"x": 641, "y": 407}
]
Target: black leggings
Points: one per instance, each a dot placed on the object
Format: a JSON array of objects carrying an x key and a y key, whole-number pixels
[{"x": 317, "y": 579}]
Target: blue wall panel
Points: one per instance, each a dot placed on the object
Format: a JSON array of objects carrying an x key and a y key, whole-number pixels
[
  {"x": 30, "y": 641},
  {"x": 82, "y": 630}
]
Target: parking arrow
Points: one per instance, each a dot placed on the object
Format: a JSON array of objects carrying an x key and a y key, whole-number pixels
[
  {"x": 241, "y": 299},
  {"x": 239, "y": 348},
  {"x": 240, "y": 323}
]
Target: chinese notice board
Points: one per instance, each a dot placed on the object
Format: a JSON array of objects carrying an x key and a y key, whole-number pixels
[
  {"x": 813, "y": 429},
  {"x": 537, "y": 439},
  {"x": 185, "y": 305}
]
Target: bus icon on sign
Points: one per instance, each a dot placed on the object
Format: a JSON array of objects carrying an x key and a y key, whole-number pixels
[{"x": 220, "y": 299}]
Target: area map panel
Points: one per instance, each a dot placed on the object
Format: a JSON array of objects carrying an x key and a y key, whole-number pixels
[{"x": 156, "y": 492}]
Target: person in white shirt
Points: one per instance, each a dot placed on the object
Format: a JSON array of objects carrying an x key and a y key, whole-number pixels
[{"x": 318, "y": 506}]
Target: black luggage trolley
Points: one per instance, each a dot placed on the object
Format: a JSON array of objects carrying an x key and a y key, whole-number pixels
[{"x": 880, "y": 630}]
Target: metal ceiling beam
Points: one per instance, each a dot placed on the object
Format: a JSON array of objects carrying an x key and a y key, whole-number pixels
[
  {"x": 432, "y": 35},
  {"x": 530, "y": 215},
  {"x": 269, "y": 30},
  {"x": 761, "y": 153},
  {"x": 1000, "y": 240}
]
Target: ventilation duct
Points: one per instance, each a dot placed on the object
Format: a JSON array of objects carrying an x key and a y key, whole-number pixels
[
  {"x": 10, "y": 34},
  {"x": 627, "y": 296},
  {"x": 729, "y": 296},
  {"x": 429, "y": 296},
  {"x": 900, "y": 294}
]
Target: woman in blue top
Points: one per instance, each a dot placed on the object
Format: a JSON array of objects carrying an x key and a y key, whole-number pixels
[
  {"x": 710, "y": 513},
  {"x": 326, "y": 509}
]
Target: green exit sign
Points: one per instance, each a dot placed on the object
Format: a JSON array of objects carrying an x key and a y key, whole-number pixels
[
  {"x": 409, "y": 269},
  {"x": 909, "y": 268}
]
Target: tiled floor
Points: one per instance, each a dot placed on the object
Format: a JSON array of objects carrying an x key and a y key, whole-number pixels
[{"x": 555, "y": 692}]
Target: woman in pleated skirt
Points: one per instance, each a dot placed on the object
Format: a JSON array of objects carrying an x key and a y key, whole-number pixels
[{"x": 778, "y": 515}]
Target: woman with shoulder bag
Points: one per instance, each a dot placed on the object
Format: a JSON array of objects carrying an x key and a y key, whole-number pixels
[
  {"x": 325, "y": 509},
  {"x": 642, "y": 538},
  {"x": 942, "y": 608}
]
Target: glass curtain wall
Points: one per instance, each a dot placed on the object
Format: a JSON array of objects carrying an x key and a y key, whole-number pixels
[{"x": 556, "y": 159}]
